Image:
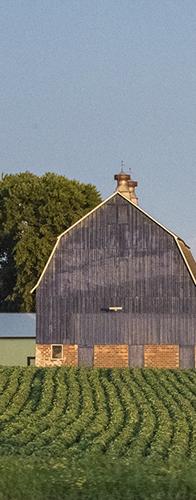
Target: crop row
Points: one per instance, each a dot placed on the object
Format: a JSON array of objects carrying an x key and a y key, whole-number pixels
[{"x": 136, "y": 413}]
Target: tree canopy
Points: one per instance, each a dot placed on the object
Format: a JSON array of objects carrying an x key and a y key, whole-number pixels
[{"x": 33, "y": 212}]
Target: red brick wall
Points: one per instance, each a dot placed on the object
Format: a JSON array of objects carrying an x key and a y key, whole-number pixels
[
  {"x": 161, "y": 356},
  {"x": 110, "y": 356},
  {"x": 43, "y": 356}
]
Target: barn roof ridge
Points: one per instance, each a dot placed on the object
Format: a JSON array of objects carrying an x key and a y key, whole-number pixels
[{"x": 185, "y": 252}]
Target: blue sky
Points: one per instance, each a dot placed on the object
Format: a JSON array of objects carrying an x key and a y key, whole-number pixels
[{"x": 85, "y": 84}]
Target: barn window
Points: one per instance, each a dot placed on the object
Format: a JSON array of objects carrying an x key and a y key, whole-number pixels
[{"x": 57, "y": 351}]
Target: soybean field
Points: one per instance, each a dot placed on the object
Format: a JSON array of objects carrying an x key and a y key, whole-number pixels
[{"x": 120, "y": 413}]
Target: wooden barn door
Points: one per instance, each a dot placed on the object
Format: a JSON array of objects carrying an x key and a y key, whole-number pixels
[
  {"x": 85, "y": 356},
  {"x": 187, "y": 356},
  {"x": 136, "y": 356}
]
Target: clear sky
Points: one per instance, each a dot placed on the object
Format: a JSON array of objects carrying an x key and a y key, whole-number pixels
[{"x": 85, "y": 84}]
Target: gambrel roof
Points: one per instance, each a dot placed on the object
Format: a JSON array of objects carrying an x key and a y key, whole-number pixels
[{"x": 182, "y": 246}]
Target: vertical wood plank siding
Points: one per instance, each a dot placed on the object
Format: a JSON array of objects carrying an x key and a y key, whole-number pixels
[
  {"x": 187, "y": 356},
  {"x": 85, "y": 356},
  {"x": 116, "y": 257},
  {"x": 136, "y": 356}
]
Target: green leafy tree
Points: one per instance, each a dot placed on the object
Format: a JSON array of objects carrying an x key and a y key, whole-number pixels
[{"x": 33, "y": 212}]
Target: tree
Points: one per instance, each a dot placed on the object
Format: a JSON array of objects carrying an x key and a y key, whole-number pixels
[{"x": 33, "y": 212}]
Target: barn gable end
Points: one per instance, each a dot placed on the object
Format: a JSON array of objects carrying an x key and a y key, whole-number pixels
[{"x": 116, "y": 256}]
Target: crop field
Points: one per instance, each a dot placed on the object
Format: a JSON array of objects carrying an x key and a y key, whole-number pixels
[{"x": 136, "y": 413}]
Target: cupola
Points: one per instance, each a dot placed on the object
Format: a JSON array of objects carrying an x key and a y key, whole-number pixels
[{"x": 126, "y": 186}]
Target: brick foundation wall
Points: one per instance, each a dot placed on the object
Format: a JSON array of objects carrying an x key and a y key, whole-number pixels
[
  {"x": 43, "y": 356},
  {"x": 111, "y": 356},
  {"x": 161, "y": 356}
]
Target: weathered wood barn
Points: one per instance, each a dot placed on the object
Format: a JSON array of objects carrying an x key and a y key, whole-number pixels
[{"x": 117, "y": 290}]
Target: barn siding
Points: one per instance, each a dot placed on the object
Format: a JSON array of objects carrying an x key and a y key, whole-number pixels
[
  {"x": 187, "y": 356},
  {"x": 136, "y": 356},
  {"x": 116, "y": 256},
  {"x": 85, "y": 356}
]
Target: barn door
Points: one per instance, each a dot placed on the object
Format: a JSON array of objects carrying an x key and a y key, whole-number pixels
[
  {"x": 136, "y": 356},
  {"x": 85, "y": 356},
  {"x": 187, "y": 356}
]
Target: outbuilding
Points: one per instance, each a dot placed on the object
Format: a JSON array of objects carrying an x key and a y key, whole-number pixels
[{"x": 17, "y": 339}]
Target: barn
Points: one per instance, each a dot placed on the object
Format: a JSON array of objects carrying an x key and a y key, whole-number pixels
[{"x": 118, "y": 290}]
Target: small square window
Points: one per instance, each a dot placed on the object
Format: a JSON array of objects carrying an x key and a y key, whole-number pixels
[{"x": 57, "y": 351}]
